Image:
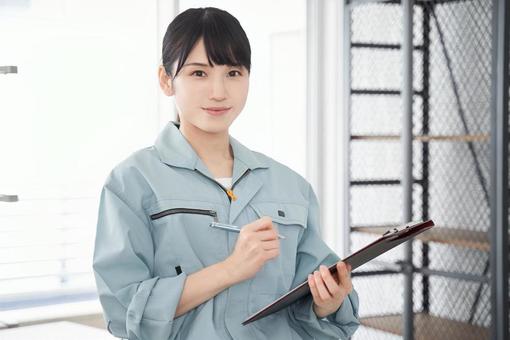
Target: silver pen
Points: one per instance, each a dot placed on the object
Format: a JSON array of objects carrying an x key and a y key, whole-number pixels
[{"x": 230, "y": 227}]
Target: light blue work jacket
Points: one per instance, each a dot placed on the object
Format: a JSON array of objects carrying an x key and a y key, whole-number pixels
[{"x": 153, "y": 231}]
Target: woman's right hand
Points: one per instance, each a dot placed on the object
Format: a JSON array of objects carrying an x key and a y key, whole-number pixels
[{"x": 257, "y": 243}]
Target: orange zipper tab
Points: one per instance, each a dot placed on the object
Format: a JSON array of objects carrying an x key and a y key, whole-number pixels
[{"x": 231, "y": 194}]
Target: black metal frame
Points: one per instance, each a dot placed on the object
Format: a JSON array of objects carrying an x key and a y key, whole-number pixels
[
  {"x": 499, "y": 170},
  {"x": 407, "y": 161}
]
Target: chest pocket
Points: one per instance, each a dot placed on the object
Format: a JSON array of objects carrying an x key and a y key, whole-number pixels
[
  {"x": 183, "y": 240},
  {"x": 290, "y": 221}
]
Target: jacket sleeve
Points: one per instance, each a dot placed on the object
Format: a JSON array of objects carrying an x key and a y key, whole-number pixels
[
  {"x": 311, "y": 253},
  {"x": 136, "y": 304}
]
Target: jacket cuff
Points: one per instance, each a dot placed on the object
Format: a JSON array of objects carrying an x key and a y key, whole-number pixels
[
  {"x": 150, "y": 315},
  {"x": 347, "y": 314}
]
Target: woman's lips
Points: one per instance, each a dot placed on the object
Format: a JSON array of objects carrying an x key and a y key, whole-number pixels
[{"x": 216, "y": 111}]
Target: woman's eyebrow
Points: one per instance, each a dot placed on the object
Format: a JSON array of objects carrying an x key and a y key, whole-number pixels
[{"x": 196, "y": 64}]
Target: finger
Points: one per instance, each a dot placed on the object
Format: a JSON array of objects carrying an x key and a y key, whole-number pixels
[
  {"x": 269, "y": 245},
  {"x": 271, "y": 254},
  {"x": 264, "y": 223},
  {"x": 323, "y": 291},
  {"x": 313, "y": 289},
  {"x": 329, "y": 281},
  {"x": 343, "y": 276},
  {"x": 342, "y": 271},
  {"x": 267, "y": 235}
]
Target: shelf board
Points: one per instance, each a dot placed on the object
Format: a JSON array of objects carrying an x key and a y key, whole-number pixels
[
  {"x": 427, "y": 327},
  {"x": 364, "y": 2},
  {"x": 397, "y": 2},
  {"x": 381, "y": 92},
  {"x": 384, "y": 46},
  {"x": 429, "y": 138},
  {"x": 364, "y": 182},
  {"x": 459, "y": 237}
]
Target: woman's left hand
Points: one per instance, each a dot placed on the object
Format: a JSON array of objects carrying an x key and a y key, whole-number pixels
[{"x": 328, "y": 291}]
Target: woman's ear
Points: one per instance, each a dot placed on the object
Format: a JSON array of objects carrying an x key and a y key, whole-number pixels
[{"x": 165, "y": 82}]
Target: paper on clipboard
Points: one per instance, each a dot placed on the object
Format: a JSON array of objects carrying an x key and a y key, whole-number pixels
[{"x": 389, "y": 240}]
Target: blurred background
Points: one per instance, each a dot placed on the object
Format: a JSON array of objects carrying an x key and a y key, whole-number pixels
[{"x": 394, "y": 111}]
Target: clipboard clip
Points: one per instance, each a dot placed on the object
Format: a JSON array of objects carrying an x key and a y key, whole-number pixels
[
  {"x": 396, "y": 230},
  {"x": 399, "y": 232}
]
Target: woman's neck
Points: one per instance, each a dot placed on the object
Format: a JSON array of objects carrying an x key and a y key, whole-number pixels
[{"x": 212, "y": 148}]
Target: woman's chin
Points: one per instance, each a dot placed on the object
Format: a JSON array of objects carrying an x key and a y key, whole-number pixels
[{"x": 213, "y": 126}]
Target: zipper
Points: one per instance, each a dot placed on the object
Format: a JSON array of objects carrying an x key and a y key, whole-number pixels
[
  {"x": 239, "y": 179},
  {"x": 230, "y": 192},
  {"x": 185, "y": 211}
]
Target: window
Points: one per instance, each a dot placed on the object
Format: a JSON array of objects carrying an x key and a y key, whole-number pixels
[{"x": 84, "y": 98}]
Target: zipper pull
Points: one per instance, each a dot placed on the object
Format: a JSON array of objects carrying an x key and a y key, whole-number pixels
[{"x": 231, "y": 194}]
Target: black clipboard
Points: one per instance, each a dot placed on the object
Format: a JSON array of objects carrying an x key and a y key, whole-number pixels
[{"x": 389, "y": 240}]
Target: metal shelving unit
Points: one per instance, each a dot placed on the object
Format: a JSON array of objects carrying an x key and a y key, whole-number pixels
[{"x": 427, "y": 85}]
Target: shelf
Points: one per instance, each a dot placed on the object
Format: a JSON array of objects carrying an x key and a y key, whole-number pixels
[
  {"x": 381, "y": 92},
  {"x": 365, "y": 2},
  {"x": 381, "y": 46},
  {"x": 463, "y": 238},
  {"x": 435, "y": 327},
  {"x": 364, "y": 182},
  {"x": 429, "y": 138},
  {"x": 397, "y": 2}
]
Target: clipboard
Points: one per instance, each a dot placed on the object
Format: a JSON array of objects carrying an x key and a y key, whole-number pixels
[{"x": 387, "y": 241}]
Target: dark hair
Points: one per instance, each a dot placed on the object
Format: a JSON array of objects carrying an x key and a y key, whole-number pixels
[{"x": 225, "y": 41}]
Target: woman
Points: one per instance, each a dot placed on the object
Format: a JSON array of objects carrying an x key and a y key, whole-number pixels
[{"x": 162, "y": 272}]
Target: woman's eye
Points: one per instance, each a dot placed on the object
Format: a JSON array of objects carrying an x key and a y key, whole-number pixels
[
  {"x": 198, "y": 73},
  {"x": 234, "y": 73}
]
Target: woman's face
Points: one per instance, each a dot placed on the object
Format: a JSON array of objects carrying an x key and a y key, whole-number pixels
[{"x": 209, "y": 98}]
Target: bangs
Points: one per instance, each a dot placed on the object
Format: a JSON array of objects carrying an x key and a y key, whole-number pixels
[{"x": 224, "y": 48}]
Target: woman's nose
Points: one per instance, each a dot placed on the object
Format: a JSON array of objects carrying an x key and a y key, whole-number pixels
[{"x": 218, "y": 90}]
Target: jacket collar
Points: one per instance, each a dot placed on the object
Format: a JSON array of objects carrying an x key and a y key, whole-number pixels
[{"x": 175, "y": 150}]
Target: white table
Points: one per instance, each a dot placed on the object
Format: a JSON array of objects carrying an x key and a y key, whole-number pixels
[{"x": 62, "y": 330}]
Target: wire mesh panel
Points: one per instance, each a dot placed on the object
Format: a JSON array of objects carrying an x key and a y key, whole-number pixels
[
  {"x": 452, "y": 65},
  {"x": 457, "y": 36}
]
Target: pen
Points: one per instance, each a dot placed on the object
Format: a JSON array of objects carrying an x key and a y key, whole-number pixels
[{"x": 233, "y": 228}]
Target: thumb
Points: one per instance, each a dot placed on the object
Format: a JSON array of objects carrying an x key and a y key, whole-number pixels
[{"x": 344, "y": 276}]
